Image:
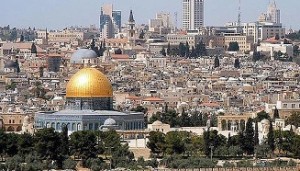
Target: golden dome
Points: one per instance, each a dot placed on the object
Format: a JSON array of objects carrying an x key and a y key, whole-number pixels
[{"x": 89, "y": 82}]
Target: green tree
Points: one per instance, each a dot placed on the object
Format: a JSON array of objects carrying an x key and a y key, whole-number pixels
[
  {"x": 93, "y": 44},
  {"x": 3, "y": 137},
  {"x": 249, "y": 137},
  {"x": 182, "y": 49},
  {"x": 216, "y": 62},
  {"x": 233, "y": 46},
  {"x": 256, "y": 140},
  {"x": 193, "y": 52},
  {"x": 295, "y": 146},
  {"x": 276, "y": 113},
  {"x": 237, "y": 63},
  {"x": 142, "y": 35},
  {"x": 69, "y": 164},
  {"x": 185, "y": 120},
  {"x": 163, "y": 52},
  {"x": 25, "y": 144},
  {"x": 13, "y": 35},
  {"x": 47, "y": 143},
  {"x": 156, "y": 142},
  {"x": 12, "y": 144},
  {"x": 201, "y": 49},
  {"x": 257, "y": 56},
  {"x": 22, "y": 38},
  {"x": 187, "y": 50},
  {"x": 294, "y": 119},
  {"x": 33, "y": 48},
  {"x": 271, "y": 138},
  {"x": 296, "y": 50},
  {"x": 18, "y": 66},
  {"x": 83, "y": 145},
  {"x": 169, "y": 49},
  {"x": 262, "y": 115},
  {"x": 207, "y": 142},
  {"x": 174, "y": 142}
]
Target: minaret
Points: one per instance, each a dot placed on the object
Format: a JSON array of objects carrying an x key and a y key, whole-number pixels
[
  {"x": 47, "y": 38},
  {"x": 131, "y": 30}
]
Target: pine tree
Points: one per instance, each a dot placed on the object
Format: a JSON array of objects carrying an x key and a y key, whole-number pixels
[
  {"x": 216, "y": 62},
  {"x": 256, "y": 139},
  {"x": 271, "y": 139},
  {"x": 249, "y": 137}
]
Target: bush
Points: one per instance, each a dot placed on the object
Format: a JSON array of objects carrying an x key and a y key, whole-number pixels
[
  {"x": 244, "y": 163},
  {"x": 69, "y": 164},
  {"x": 14, "y": 163},
  {"x": 228, "y": 164}
]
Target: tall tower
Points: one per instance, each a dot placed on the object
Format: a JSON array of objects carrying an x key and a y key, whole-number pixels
[
  {"x": 193, "y": 14},
  {"x": 273, "y": 14},
  {"x": 110, "y": 21},
  {"x": 131, "y": 29}
]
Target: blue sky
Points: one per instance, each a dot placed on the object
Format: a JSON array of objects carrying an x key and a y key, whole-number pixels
[{"x": 63, "y": 13}]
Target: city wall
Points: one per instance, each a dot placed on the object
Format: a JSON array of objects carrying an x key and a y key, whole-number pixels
[{"x": 237, "y": 169}]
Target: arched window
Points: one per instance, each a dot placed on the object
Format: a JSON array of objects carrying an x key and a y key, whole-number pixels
[
  {"x": 10, "y": 129},
  {"x": 79, "y": 127},
  {"x": 58, "y": 126}
]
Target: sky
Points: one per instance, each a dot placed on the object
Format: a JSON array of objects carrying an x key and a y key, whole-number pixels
[{"x": 58, "y": 14}]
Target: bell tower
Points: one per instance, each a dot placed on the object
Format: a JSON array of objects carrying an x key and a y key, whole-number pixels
[{"x": 131, "y": 30}]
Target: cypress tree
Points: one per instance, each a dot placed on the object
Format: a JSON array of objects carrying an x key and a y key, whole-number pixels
[
  {"x": 249, "y": 137},
  {"x": 237, "y": 63},
  {"x": 169, "y": 49},
  {"x": 271, "y": 139},
  {"x": 206, "y": 136},
  {"x": 216, "y": 62},
  {"x": 256, "y": 140},
  {"x": 276, "y": 113},
  {"x": 33, "y": 48},
  {"x": 187, "y": 49}
]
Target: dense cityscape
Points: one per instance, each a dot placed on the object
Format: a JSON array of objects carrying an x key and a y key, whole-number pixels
[{"x": 151, "y": 96}]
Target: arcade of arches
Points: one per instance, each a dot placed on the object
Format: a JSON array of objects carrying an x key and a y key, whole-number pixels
[{"x": 233, "y": 123}]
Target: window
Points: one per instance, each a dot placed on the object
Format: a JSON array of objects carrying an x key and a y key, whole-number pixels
[
  {"x": 293, "y": 106},
  {"x": 284, "y": 105}
]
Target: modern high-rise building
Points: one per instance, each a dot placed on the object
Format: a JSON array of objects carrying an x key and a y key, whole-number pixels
[
  {"x": 272, "y": 14},
  {"x": 110, "y": 21},
  {"x": 193, "y": 14},
  {"x": 117, "y": 20}
]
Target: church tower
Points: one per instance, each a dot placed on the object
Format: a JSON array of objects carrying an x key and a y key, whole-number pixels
[{"x": 131, "y": 30}]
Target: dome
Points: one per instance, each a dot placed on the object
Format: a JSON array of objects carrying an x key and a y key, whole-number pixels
[
  {"x": 82, "y": 53},
  {"x": 157, "y": 123},
  {"x": 89, "y": 82},
  {"x": 110, "y": 122}
]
